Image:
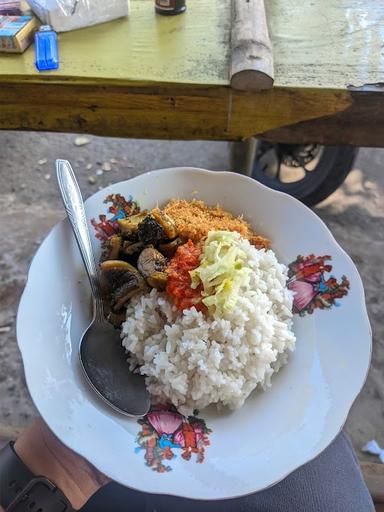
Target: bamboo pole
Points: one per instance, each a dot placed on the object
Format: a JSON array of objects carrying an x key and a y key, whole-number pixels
[{"x": 252, "y": 57}]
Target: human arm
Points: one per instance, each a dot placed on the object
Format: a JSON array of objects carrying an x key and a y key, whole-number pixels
[{"x": 45, "y": 455}]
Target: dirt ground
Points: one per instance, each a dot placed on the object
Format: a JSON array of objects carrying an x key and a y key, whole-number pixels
[{"x": 30, "y": 206}]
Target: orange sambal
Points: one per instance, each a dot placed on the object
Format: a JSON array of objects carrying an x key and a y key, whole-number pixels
[{"x": 186, "y": 258}]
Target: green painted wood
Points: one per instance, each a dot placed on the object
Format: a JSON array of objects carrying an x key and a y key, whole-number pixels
[
  {"x": 189, "y": 48},
  {"x": 318, "y": 43},
  {"x": 327, "y": 43}
]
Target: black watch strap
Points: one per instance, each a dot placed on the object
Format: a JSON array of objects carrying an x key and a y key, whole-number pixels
[{"x": 22, "y": 491}]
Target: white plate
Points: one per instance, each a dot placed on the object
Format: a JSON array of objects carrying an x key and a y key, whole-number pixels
[{"x": 250, "y": 449}]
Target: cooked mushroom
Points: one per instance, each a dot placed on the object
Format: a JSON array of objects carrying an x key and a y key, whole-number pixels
[
  {"x": 111, "y": 248},
  {"x": 129, "y": 225},
  {"x": 166, "y": 222},
  {"x": 158, "y": 280},
  {"x": 132, "y": 248},
  {"x": 150, "y": 231},
  {"x": 124, "y": 281},
  {"x": 169, "y": 248},
  {"x": 152, "y": 264}
]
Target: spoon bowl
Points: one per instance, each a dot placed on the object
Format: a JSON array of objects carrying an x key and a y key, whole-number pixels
[{"x": 101, "y": 351}]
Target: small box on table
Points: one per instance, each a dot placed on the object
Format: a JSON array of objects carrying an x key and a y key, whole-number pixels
[{"x": 16, "y": 33}]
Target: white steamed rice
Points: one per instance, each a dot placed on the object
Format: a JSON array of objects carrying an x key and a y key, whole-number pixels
[{"x": 194, "y": 360}]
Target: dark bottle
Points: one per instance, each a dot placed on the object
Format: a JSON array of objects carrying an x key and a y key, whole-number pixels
[{"x": 170, "y": 7}]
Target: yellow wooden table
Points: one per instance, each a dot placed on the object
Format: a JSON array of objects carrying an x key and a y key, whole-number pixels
[{"x": 167, "y": 77}]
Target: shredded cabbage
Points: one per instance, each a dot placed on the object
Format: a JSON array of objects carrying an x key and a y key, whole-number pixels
[{"x": 223, "y": 271}]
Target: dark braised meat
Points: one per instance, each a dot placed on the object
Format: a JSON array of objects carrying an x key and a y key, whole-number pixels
[
  {"x": 132, "y": 248},
  {"x": 111, "y": 248},
  {"x": 121, "y": 282},
  {"x": 129, "y": 226},
  {"x": 150, "y": 232},
  {"x": 165, "y": 222},
  {"x": 152, "y": 265},
  {"x": 169, "y": 248},
  {"x": 135, "y": 258}
]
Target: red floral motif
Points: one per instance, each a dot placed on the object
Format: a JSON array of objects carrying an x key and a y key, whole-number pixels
[
  {"x": 311, "y": 288},
  {"x": 120, "y": 208},
  {"x": 164, "y": 430}
]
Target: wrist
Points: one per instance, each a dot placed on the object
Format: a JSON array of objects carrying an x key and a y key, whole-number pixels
[{"x": 46, "y": 456}]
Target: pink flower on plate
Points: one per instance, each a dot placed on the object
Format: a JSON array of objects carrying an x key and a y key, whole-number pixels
[
  {"x": 164, "y": 422},
  {"x": 304, "y": 292}
]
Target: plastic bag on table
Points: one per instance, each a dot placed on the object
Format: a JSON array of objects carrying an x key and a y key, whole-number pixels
[{"x": 64, "y": 15}]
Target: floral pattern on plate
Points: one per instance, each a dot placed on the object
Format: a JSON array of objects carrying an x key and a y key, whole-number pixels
[
  {"x": 164, "y": 432},
  {"x": 312, "y": 289},
  {"x": 120, "y": 208}
]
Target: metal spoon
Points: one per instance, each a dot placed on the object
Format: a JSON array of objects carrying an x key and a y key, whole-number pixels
[{"x": 101, "y": 354}]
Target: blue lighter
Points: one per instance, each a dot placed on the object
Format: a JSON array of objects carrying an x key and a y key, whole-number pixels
[{"x": 46, "y": 50}]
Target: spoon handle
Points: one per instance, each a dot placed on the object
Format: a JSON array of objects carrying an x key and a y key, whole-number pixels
[{"x": 74, "y": 206}]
